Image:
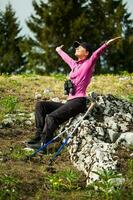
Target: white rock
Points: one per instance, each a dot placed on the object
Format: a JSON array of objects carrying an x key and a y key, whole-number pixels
[
  {"x": 126, "y": 139},
  {"x": 119, "y": 181},
  {"x": 99, "y": 154},
  {"x": 107, "y": 111},
  {"x": 56, "y": 99},
  {"x": 101, "y": 101},
  {"x": 32, "y": 116},
  {"x": 37, "y": 96},
  {"x": 88, "y": 159},
  {"x": 7, "y": 122},
  {"x": 84, "y": 142},
  {"x": 47, "y": 91},
  {"x": 81, "y": 157},
  {"x": 100, "y": 131},
  {"x": 98, "y": 138},
  {"x": 113, "y": 135},
  {"x": 128, "y": 117},
  {"x": 28, "y": 123},
  {"x": 124, "y": 78},
  {"x": 88, "y": 138},
  {"x": 131, "y": 155},
  {"x": 93, "y": 176},
  {"x": 123, "y": 126},
  {"x": 64, "y": 101},
  {"x": 131, "y": 110},
  {"x": 20, "y": 114},
  {"x": 28, "y": 149}
]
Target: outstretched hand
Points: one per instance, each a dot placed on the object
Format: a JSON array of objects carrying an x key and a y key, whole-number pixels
[
  {"x": 112, "y": 40},
  {"x": 58, "y": 48}
]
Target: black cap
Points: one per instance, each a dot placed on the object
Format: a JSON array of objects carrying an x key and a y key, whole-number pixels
[{"x": 84, "y": 45}]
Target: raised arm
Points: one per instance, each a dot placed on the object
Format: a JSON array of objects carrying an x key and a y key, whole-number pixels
[
  {"x": 113, "y": 40},
  {"x": 65, "y": 57},
  {"x": 101, "y": 49}
]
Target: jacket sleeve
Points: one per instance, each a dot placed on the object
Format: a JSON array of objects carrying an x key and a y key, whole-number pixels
[
  {"x": 66, "y": 58},
  {"x": 96, "y": 54}
]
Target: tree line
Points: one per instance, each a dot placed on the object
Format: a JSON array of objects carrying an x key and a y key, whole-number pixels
[{"x": 62, "y": 22}]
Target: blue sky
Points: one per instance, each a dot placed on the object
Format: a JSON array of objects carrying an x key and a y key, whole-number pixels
[{"x": 24, "y": 9}]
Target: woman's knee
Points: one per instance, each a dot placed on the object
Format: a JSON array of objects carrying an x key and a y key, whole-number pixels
[{"x": 40, "y": 105}]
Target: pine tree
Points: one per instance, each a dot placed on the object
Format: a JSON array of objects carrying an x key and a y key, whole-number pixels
[
  {"x": 108, "y": 19},
  {"x": 121, "y": 56},
  {"x": 56, "y": 22},
  {"x": 11, "y": 57},
  {"x": 61, "y": 22}
]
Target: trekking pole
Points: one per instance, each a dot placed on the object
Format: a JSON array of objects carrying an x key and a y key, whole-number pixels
[
  {"x": 45, "y": 145},
  {"x": 49, "y": 142},
  {"x": 70, "y": 135}
]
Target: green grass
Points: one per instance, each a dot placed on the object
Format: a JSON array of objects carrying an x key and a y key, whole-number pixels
[
  {"x": 34, "y": 179},
  {"x": 18, "y": 153},
  {"x": 64, "y": 180},
  {"x": 58, "y": 76},
  {"x": 130, "y": 98},
  {"x": 9, "y": 187},
  {"x": 8, "y": 105}
]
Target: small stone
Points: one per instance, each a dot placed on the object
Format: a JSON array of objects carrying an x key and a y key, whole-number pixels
[
  {"x": 37, "y": 96},
  {"x": 28, "y": 149},
  {"x": 100, "y": 131},
  {"x": 56, "y": 99},
  {"x": 126, "y": 139},
  {"x": 64, "y": 101},
  {"x": 131, "y": 110},
  {"x": 88, "y": 159},
  {"x": 47, "y": 91},
  {"x": 32, "y": 116},
  {"x": 128, "y": 117},
  {"x": 131, "y": 155},
  {"x": 113, "y": 135},
  {"x": 119, "y": 181},
  {"x": 124, "y": 78},
  {"x": 8, "y": 122},
  {"x": 123, "y": 126},
  {"x": 28, "y": 123}
]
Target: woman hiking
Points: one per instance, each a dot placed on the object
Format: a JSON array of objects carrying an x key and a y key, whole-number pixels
[{"x": 48, "y": 114}]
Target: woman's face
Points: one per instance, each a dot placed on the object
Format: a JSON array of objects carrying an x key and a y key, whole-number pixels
[{"x": 81, "y": 52}]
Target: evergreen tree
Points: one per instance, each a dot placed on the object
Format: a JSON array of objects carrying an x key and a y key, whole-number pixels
[
  {"x": 55, "y": 22},
  {"x": 110, "y": 18},
  {"x": 61, "y": 22},
  {"x": 11, "y": 57}
]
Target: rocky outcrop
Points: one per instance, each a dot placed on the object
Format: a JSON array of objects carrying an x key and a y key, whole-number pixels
[{"x": 108, "y": 125}]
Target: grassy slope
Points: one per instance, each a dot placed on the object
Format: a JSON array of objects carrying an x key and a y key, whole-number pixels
[{"x": 29, "y": 180}]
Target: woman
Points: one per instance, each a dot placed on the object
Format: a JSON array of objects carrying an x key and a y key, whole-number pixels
[{"x": 49, "y": 115}]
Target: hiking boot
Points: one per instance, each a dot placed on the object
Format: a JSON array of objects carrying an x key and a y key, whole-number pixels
[
  {"x": 43, "y": 151},
  {"x": 35, "y": 142}
]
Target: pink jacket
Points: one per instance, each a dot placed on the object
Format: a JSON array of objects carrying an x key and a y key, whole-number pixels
[{"x": 81, "y": 71}]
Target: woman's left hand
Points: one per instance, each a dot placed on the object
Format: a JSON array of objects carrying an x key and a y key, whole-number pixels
[
  {"x": 58, "y": 48},
  {"x": 112, "y": 40}
]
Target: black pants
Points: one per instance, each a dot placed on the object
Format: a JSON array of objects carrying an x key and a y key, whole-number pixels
[{"x": 49, "y": 115}]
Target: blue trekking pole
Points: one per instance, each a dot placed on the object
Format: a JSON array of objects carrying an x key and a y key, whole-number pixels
[
  {"x": 45, "y": 145},
  {"x": 70, "y": 135},
  {"x": 49, "y": 142},
  {"x": 65, "y": 141}
]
